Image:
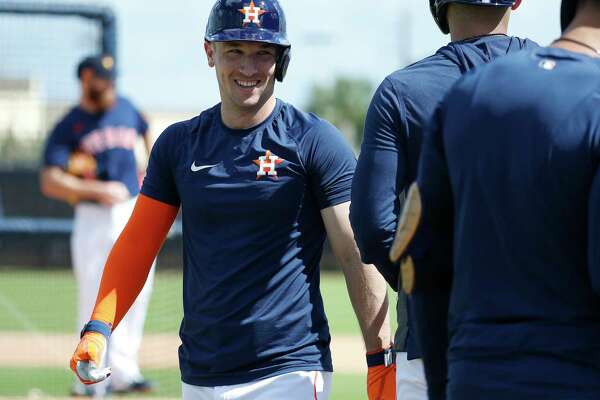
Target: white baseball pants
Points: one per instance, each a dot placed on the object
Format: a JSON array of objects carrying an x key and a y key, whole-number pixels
[
  {"x": 300, "y": 385},
  {"x": 410, "y": 378}
]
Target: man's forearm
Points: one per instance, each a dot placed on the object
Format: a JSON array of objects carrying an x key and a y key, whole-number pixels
[
  {"x": 367, "y": 290},
  {"x": 366, "y": 287},
  {"x": 131, "y": 259},
  {"x": 60, "y": 185},
  {"x": 375, "y": 207}
]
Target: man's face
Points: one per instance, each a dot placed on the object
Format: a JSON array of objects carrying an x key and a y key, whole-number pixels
[
  {"x": 99, "y": 91},
  {"x": 245, "y": 72}
]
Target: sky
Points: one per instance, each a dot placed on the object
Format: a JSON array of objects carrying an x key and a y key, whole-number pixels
[{"x": 162, "y": 65}]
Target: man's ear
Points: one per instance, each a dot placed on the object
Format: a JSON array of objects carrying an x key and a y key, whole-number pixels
[
  {"x": 209, "y": 49},
  {"x": 516, "y": 5}
]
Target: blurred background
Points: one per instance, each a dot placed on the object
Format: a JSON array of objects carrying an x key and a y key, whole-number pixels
[{"x": 341, "y": 51}]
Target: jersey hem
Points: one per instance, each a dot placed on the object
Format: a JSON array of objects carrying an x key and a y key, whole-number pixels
[{"x": 251, "y": 376}]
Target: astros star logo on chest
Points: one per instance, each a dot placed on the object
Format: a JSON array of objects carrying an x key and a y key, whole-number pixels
[
  {"x": 267, "y": 165},
  {"x": 251, "y": 14}
]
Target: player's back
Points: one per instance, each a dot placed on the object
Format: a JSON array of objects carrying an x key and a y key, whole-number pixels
[
  {"x": 522, "y": 141},
  {"x": 421, "y": 86}
]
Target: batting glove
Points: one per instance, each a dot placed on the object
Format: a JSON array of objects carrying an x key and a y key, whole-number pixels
[
  {"x": 88, "y": 361},
  {"x": 381, "y": 376}
]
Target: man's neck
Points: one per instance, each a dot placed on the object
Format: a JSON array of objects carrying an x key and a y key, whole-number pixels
[
  {"x": 585, "y": 28},
  {"x": 465, "y": 23},
  {"x": 236, "y": 118},
  {"x": 86, "y": 105}
]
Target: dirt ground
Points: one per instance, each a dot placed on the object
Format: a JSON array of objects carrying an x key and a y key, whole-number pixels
[{"x": 23, "y": 349}]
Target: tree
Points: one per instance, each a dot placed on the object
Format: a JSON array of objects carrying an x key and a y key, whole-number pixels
[{"x": 344, "y": 104}]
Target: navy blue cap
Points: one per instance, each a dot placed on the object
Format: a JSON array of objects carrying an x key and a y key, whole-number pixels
[{"x": 102, "y": 65}]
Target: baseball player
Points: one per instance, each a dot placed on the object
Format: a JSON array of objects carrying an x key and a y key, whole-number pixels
[
  {"x": 89, "y": 162},
  {"x": 260, "y": 184},
  {"x": 506, "y": 257},
  {"x": 401, "y": 107}
]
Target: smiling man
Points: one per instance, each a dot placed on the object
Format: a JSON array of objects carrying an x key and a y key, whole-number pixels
[{"x": 260, "y": 185}]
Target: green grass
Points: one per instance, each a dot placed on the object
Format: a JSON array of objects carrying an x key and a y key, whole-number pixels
[
  {"x": 21, "y": 381},
  {"x": 37, "y": 300},
  {"x": 57, "y": 382},
  {"x": 45, "y": 301}
]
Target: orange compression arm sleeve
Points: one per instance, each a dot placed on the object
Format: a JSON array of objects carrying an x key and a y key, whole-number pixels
[{"x": 131, "y": 258}]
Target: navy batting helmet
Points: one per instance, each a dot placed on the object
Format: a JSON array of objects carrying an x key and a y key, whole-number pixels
[
  {"x": 568, "y": 9},
  {"x": 247, "y": 20},
  {"x": 439, "y": 9}
]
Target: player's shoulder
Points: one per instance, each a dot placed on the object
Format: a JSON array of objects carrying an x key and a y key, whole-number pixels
[
  {"x": 124, "y": 101},
  {"x": 414, "y": 87},
  {"x": 536, "y": 69},
  {"x": 125, "y": 104},
  {"x": 70, "y": 121},
  {"x": 315, "y": 137},
  {"x": 549, "y": 85},
  {"x": 464, "y": 56},
  {"x": 496, "y": 44},
  {"x": 425, "y": 69},
  {"x": 430, "y": 75},
  {"x": 554, "y": 61},
  {"x": 299, "y": 124}
]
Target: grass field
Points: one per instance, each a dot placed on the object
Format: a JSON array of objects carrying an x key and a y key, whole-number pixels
[
  {"x": 44, "y": 302},
  {"x": 55, "y": 382}
]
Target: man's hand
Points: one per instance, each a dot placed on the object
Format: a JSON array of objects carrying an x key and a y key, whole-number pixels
[
  {"x": 381, "y": 376},
  {"x": 88, "y": 360},
  {"x": 112, "y": 192}
]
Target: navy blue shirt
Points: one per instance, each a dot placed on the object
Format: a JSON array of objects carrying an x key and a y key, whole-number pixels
[
  {"x": 510, "y": 175},
  {"x": 109, "y": 137},
  {"x": 253, "y": 236},
  {"x": 399, "y": 112}
]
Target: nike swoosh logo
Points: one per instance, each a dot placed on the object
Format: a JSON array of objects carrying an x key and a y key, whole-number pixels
[{"x": 196, "y": 168}]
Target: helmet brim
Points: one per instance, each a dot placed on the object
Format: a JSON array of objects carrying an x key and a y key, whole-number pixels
[{"x": 249, "y": 35}]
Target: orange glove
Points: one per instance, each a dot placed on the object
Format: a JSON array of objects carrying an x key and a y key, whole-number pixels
[
  {"x": 381, "y": 377},
  {"x": 82, "y": 165},
  {"x": 88, "y": 360}
]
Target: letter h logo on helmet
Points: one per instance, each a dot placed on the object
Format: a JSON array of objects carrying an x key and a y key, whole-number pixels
[{"x": 251, "y": 14}]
